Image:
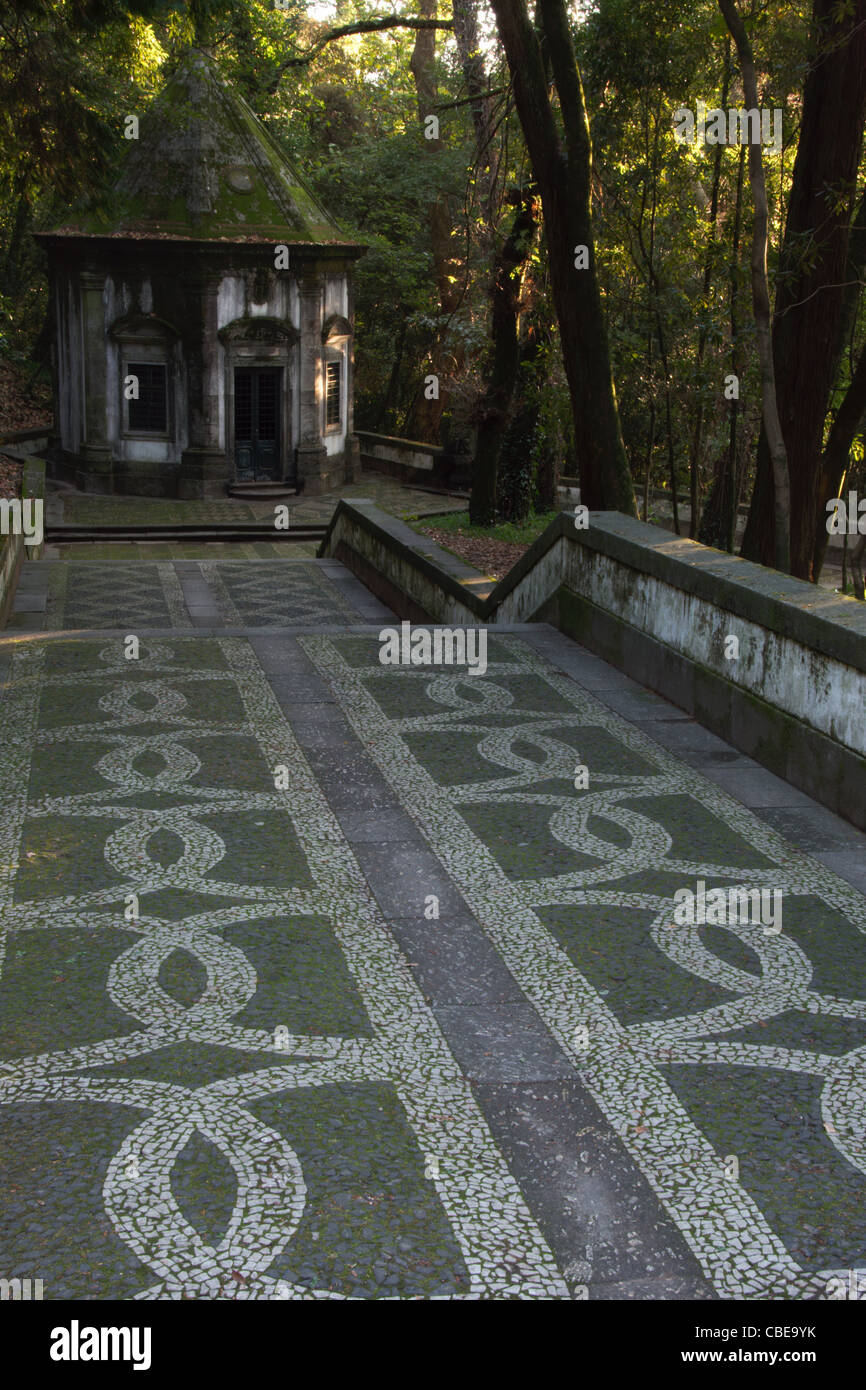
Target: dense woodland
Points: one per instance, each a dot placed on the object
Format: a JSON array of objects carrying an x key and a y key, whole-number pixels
[{"x": 703, "y": 263}]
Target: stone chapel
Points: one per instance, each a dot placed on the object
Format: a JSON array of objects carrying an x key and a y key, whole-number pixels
[{"x": 203, "y": 333}]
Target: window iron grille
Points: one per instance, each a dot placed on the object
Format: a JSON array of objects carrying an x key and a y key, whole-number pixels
[
  {"x": 332, "y": 393},
  {"x": 149, "y": 413}
]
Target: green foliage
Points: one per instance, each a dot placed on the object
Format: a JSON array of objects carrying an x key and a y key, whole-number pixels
[
  {"x": 641, "y": 61},
  {"x": 70, "y": 70},
  {"x": 521, "y": 533}
]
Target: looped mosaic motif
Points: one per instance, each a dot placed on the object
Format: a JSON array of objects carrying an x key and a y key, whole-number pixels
[
  {"x": 616, "y": 852},
  {"x": 96, "y": 720}
]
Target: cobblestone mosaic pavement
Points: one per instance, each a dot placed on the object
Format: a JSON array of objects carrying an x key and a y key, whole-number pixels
[
  {"x": 575, "y": 890},
  {"x": 86, "y": 595},
  {"x": 174, "y": 594},
  {"x": 320, "y": 979},
  {"x": 263, "y": 594}
]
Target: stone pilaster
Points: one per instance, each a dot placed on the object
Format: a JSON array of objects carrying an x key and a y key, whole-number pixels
[
  {"x": 311, "y": 455},
  {"x": 204, "y": 468},
  {"x": 95, "y": 467},
  {"x": 353, "y": 447}
]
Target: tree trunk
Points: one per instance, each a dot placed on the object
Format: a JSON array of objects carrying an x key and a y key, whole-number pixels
[
  {"x": 393, "y": 379},
  {"x": 719, "y": 522},
  {"x": 735, "y": 472},
  {"x": 505, "y": 296},
  {"x": 855, "y": 271},
  {"x": 425, "y": 415},
  {"x": 649, "y": 458},
  {"x": 812, "y": 280},
  {"x": 834, "y": 460},
  {"x": 652, "y": 289},
  {"x": 465, "y": 16},
  {"x": 563, "y": 169},
  {"x": 850, "y": 415},
  {"x": 857, "y": 555},
  {"x": 654, "y": 311},
  {"x": 9, "y": 281},
  {"x": 669, "y": 429},
  {"x": 761, "y": 301},
  {"x": 698, "y": 431},
  {"x": 514, "y": 496}
]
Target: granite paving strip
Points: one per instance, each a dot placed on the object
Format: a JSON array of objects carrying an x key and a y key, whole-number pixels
[
  {"x": 456, "y": 963},
  {"x": 569, "y": 1163}
]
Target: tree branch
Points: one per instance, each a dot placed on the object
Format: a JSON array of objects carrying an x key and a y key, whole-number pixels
[
  {"x": 362, "y": 26},
  {"x": 465, "y": 101}
]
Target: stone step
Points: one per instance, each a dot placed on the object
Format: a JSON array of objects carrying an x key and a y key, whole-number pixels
[
  {"x": 262, "y": 492},
  {"x": 206, "y": 531}
]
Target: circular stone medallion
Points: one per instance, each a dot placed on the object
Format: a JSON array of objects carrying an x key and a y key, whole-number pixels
[{"x": 241, "y": 180}]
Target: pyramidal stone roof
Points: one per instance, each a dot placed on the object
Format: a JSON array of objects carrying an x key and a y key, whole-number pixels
[{"x": 204, "y": 168}]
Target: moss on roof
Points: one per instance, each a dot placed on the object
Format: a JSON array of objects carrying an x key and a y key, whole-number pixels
[{"x": 205, "y": 168}]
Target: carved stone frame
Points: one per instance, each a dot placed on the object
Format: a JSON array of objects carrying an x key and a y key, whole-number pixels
[
  {"x": 147, "y": 339},
  {"x": 261, "y": 342}
]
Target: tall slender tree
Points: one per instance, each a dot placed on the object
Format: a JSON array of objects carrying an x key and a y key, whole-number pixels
[
  {"x": 561, "y": 155},
  {"x": 504, "y": 357},
  {"x": 812, "y": 280},
  {"x": 761, "y": 301}
]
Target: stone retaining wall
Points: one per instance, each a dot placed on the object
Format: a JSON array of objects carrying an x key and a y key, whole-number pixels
[
  {"x": 410, "y": 460},
  {"x": 12, "y": 548}
]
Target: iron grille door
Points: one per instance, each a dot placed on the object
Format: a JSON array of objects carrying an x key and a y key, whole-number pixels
[
  {"x": 244, "y": 424},
  {"x": 267, "y": 423},
  {"x": 257, "y": 423}
]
